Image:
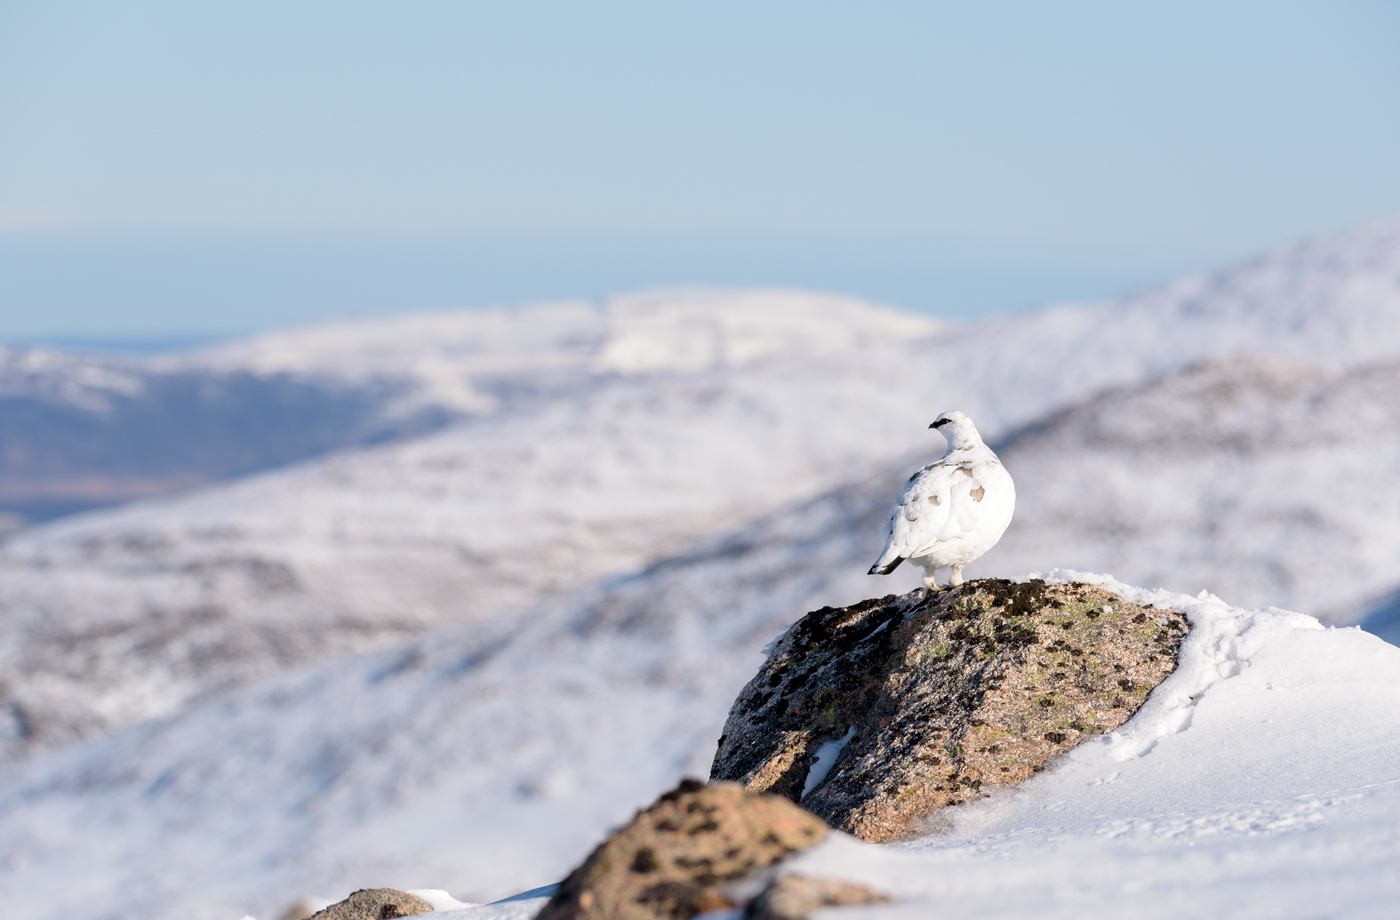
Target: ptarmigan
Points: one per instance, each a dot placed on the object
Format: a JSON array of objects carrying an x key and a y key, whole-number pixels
[{"x": 952, "y": 511}]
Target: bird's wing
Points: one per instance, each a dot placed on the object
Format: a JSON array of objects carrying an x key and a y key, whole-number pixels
[
  {"x": 964, "y": 504},
  {"x": 938, "y": 505}
]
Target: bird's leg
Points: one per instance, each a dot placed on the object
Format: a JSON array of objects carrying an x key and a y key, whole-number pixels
[
  {"x": 930, "y": 583},
  {"x": 955, "y": 578}
]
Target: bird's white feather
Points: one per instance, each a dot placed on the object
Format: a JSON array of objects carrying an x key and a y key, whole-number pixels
[{"x": 954, "y": 510}]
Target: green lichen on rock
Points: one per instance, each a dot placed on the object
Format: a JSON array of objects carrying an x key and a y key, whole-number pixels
[{"x": 971, "y": 687}]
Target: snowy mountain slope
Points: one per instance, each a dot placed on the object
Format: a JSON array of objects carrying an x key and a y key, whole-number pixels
[
  {"x": 1244, "y": 477},
  {"x": 408, "y": 763},
  {"x": 489, "y": 763},
  {"x": 1334, "y": 300},
  {"x": 82, "y": 381},
  {"x": 82, "y": 431},
  {"x": 1267, "y": 481},
  {"x": 79, "y": 432},
  {"x": 586, "y": 476},
  {"x": 473, "y": 360},
  {"x": 163, "y": 602}
]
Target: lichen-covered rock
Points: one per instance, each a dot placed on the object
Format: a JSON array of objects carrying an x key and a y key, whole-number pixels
[
  {"x": 375, "y": 904},
  {"x": 673, "y": 860},
  {"x": 794, "y": 897},
  {"x": 936, "y": 698}
]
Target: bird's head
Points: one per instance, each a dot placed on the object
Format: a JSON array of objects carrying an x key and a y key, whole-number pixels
[{"x": 958, "y": 429}]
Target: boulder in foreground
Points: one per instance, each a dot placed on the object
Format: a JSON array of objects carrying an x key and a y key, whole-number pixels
[
  {"x": 676, "y": 858},
  {"x": 874, "y": 715},
  {"x": 375, "y": 904}
]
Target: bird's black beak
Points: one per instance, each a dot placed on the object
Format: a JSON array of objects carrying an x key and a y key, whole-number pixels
[{"x": 942, "y": 421}]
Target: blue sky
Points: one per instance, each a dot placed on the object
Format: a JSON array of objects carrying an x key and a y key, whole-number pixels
[{"x": 196, "y": 168}]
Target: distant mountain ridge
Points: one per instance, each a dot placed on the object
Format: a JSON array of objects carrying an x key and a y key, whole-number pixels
[
  {"x": 611, "y": 437},
  {"x": 79, "y": 432},
  {"x": 83, "y": 433}
]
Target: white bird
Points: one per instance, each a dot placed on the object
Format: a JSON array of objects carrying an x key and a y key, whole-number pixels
[{"x": 952, "y": 511}]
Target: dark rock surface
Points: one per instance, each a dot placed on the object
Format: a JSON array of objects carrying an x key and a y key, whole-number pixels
[
  {"x": 936, "y": 698},
  {"x": 675, "y": 859},
  {"x": 375, "y": 904},
  {"x": 794, "y": 897}
]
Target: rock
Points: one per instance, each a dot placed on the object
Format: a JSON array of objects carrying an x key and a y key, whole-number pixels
[
  {"x": 675, "y": 859},
  {"x": 375, "y": 904},
  {"x": 793, "y": 897},
  {"x": 912, "y": 704}
]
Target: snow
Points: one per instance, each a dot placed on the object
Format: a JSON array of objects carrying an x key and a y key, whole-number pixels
[
  {"x": 826, "y": 759},
  {"x": 522, "y": 906},
  {"x": 456, "y": 662},
  {"x": 1268, "y": 481},
  {"x": 456, "y": 359},
  {"x": 1259, "y": 781},
  {"x": 439, "y": 900},
  {"x": 590, "y": 464},
  {"x": 83, "y": 381},
  {"x": 483, "y": 764},
  {"x": 172, "y": 598}
]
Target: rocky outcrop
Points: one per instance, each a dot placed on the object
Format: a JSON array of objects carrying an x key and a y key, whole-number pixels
[
  {"x": 874, "y": 715},
  {"x": 375, "y": 904},
  {"x": 678, "y": 858}
]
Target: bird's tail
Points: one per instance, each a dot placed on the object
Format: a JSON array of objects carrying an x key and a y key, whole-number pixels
[{"x": 887, "y": 567}]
